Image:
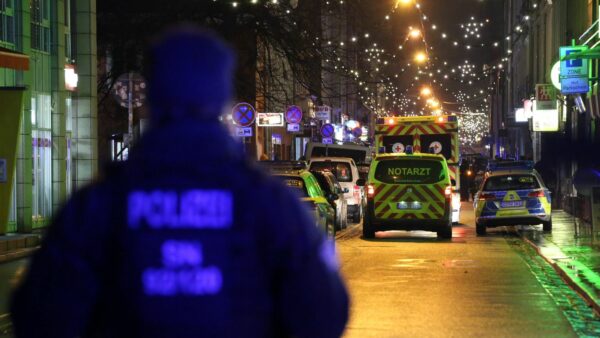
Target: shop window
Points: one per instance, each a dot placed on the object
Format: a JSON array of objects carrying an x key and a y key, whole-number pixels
[
  {"x": 68, "y": 136},
  {"x": 12, "y": 212},
  {"x": 7, "y": 22},
  {"x": 40, "y": 25},
  {"x": 42, "y": 161}
]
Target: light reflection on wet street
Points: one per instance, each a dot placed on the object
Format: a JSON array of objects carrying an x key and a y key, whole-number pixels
[{"x": 410, "y": 284}]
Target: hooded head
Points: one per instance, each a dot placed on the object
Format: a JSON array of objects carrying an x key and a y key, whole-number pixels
[{"x": 190, "y": 73}]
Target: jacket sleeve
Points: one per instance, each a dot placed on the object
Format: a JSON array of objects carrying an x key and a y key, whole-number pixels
[
  {"x": 311, "y": 296},
  {"x": 58, "y": 294}
]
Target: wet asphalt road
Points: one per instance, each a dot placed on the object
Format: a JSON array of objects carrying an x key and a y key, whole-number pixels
[{"x": 410, "y": 284}]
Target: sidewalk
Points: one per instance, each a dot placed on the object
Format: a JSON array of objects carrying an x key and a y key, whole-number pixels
[
  {"x": 15, "y": 246},
  {"x": 573, "y": 253}
]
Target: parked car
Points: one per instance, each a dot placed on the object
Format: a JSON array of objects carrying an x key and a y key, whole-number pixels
[
  {"x": 335, "y": 195},
  {"x": 307, "y": 186},
  {"x": 346, "y": 172},
  {"x": 282, "y": 166}
]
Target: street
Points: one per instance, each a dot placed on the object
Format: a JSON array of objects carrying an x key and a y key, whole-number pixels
[{"x": 410, "y": 284}]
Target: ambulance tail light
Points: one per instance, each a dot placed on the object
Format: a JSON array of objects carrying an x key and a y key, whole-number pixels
[
  {"x": 448, "y": 191},
  {"x": 370, "y": 191},
  {"x": 536, "y": 193},
  {"x": 487, "y": 196}
]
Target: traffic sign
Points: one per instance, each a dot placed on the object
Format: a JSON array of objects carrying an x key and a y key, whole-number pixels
[
  {"x": 243, "y": 114},
  {"x": 270, "y": 120},
  {"x": 327, "y": 130},
  {"x": 243, "y": 131},
  {"x": 574, "y": 73},
  {"x": 574, "y": 85},
  {"x": 293, "y": 128},
  {"x": 575, "y": 67},
  {"x": 327, "y": 140},
  {"x": 293, "y": 115},
  {"x": 323, "y": 113}
]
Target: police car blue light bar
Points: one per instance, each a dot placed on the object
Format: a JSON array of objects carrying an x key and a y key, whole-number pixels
[{"x": 510, "y": 165}]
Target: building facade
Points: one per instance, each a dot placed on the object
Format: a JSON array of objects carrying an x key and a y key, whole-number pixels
[
  {"x": 56, "y": 144},
  {"x": 534, "y": 33}
]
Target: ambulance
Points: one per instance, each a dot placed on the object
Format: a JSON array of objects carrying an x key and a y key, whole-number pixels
[
  {"x": 425, "y": 134},
  {"x": 408, "y": 192}
]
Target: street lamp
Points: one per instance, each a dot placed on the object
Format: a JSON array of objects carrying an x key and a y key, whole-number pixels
[
  {"x": 403, "y": 2},
  {"x": 414, "y": 33},
  {"x": 426, "y": 91},
  {"x": 420, "y": 57}
]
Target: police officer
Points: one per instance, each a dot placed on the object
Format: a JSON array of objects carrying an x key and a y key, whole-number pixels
[{"x": 185, "y": 239}]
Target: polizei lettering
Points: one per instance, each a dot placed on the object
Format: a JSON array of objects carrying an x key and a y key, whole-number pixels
[
  {"x": 196, "y": 209},
  {"x": 409, "y": 171}
]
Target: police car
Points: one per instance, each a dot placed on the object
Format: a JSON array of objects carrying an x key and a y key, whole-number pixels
[
  {"x": 305, "y": 183},
  {"x": 409, "y": 192},
  {"x": 512, "y": 196}
]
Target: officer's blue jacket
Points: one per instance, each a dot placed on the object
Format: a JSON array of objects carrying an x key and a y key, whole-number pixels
[{"x": 186, "y": 239}]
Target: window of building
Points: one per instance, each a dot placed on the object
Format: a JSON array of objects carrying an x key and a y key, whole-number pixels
[
  {"x": 69, "y": 137},
  {"x": 42, "y": 160},
  {"x": 68, "y": 35},
  {"x": 7, "y": 21},
  {"x": 40, "y": 25},
  {"x": 12, "y": 212}
]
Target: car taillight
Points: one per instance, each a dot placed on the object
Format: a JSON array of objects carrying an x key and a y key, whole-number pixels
[
  {"x": 487, "y": 196},
  {"x": 455, "y": 201},
  {"x": 448, "y": 191},
  {"x": 537, "y": 193},
  {"x": 370, "y": 191}
]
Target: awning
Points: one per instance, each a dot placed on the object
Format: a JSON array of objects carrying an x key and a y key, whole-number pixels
[
  {"x": 593, "y": 53},
  {"x": 13, "y": 60}
]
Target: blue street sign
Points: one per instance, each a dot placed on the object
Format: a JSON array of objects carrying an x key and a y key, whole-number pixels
[
  {"x": 327, "y": 140},
  {"x": 327, "y": 130},
  {"x": 293, "y": 115},
  {"x": 243, "y": 114}
]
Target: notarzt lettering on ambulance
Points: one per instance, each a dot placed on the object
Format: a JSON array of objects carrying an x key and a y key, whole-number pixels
[{"x": 409, "y": 171}]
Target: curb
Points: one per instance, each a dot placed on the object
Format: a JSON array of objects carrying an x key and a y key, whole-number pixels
[
  {"x": 5, "y": 323},
  {"x": 581, "y": 290},
  {"x": 16, "y": 254}
]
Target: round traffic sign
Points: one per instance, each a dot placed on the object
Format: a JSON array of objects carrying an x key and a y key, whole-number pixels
[
  {"x": 436, "y": 147},
  {"x": 121, "y": 90},
  {"x": 243, "y": 114},
  {"x": 398, "y": 148},
  {"x": 293, "y": 115},
  {"x": 327, "y": 130}
]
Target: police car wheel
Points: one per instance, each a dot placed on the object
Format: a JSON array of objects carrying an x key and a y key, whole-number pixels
[
  {"x": 547, "y": 226},
  {"x": 480, "y": 229}
]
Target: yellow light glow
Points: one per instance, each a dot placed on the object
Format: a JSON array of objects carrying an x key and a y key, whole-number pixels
[
  {"x": 414, "y": 33},
  {"x": 420, "y": 57},
  {"x": 426, "y": 91},
  {"x": 403, "y": 2}
]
